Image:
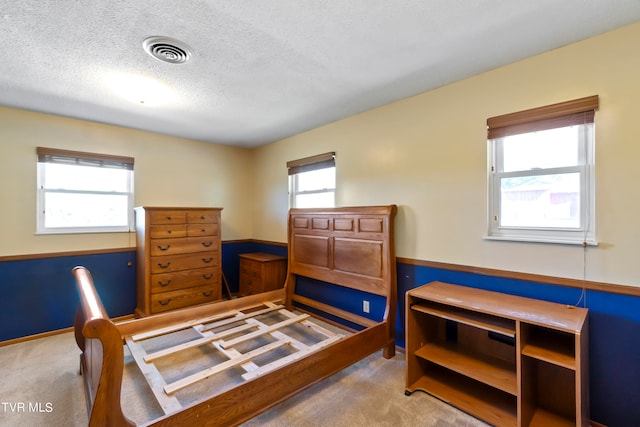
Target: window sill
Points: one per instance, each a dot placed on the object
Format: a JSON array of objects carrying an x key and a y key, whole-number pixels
[
  {"x": 82, "y": 231},
  {"x": 552, "y": 240}
]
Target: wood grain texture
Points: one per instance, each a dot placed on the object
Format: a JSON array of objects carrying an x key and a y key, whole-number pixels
[
  {"x": 363, "y": 227},
  {"x": 508, "y": 360}
]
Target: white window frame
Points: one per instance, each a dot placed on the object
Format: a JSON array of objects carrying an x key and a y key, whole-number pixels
[
  {"x": 46, "y": 155},
  {"x": 585, "y": 234},
  {"x": 295, "y": 167}
]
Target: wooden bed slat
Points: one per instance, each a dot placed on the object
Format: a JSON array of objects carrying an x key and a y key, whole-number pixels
[
  {"x": 198, "y": 342},
  {"x": 281, "y": 336},
  {"x": 232, "y": 353},
  {"x": 240, "y": 316},
  {"x": 175, "y": 328},
  {"x": 206, "y": 373},
  {"x": 319, "y": 329},
  {"x": 229, "y": 317},
  {"x": 154, "y": 379},
  {"x": 290, "y": 358},
  {"x": 263, "y": 331}
]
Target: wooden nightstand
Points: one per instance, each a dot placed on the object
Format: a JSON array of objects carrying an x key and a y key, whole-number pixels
[{"x": 261, "y": 272}]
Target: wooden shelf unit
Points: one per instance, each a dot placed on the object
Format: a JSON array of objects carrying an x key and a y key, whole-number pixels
[{"x": 508, "y": 360}]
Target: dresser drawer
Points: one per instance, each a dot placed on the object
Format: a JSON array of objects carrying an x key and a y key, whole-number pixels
[
  {"x": 201, "y": 216},
  {"x": 167, "y": 231},
  {"x": 169, "y": 263},
  {"x": 161, "y": 247},
  {"x": 203, "y": 229},
  {"x": 184, "y": 297},
  {"x": 184, "y": 279},
  {"x": 168, "y": 217}
]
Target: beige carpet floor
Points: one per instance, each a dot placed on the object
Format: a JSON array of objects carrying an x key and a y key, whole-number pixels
[{"x": 41, "y": 386}]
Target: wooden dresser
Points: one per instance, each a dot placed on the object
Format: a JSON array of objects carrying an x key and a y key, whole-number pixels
[
  {"x": 261, "y": 272},
  {"x": 178, "y": 257}
]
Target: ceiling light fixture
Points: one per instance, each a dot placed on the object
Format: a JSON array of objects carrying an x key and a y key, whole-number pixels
[
  {"x": 166, "y": 49},
  {"x": 141, "y": 89}
]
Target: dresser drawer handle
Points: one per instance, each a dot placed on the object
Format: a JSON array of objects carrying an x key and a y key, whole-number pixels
[
  {"x": 207, "y": 276},
  {"x": 203, "y": 217},
  {"x": 168, "y": 231},
  {"x": 163, "y": 284},
  {"x": 161, "y": 265},
  {"x": 165, "y": 248},
  {"x": 202, "y": 230},
  {"x": 164, "y": 302},
  {"x": 207, "y": 260},
  {"x": 169, "y": 217},
  {"x": 207, "y": 244},
  {"x": 207, "y": 294}
]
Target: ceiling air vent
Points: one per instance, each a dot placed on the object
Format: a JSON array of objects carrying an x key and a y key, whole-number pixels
[{"x": 166, "y": 49}]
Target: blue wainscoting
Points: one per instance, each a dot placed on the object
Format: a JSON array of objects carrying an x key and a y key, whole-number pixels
[
  {"x": 343, "y": 298},
  {"x": 39, "y": 295}
]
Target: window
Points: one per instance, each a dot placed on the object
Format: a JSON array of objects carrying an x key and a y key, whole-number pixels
[
  {"x": 541, "y": 174},
  {"x": 312, "y": 181},
  {"x": 83, "y": 192}
]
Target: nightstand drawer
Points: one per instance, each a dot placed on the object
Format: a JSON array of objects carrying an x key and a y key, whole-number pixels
[
  {"x": 250, "y": 268},
  {"x": 250, "y": 285}
]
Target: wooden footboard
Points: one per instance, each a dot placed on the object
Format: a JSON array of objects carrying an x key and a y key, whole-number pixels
[
  {"x": 102, "y": 362},
  {"x": 102, "y": 358}
]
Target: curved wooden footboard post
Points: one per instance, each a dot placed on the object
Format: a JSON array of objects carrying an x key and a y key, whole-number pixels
[{"x": 102, "y": 359}]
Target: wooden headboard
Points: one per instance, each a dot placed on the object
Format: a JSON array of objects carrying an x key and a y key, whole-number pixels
[{"x": 351, "y": 247}]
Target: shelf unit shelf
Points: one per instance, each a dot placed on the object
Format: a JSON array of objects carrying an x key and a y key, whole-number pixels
[
  {"x": 542, "y": 418},
  {"x": 479, "y": 320},
  {"x": 492, "y": 371},
  {"x": 508, "y": 360},
  {"x": 473, "y": 397},
  {"x": 553, "y": 347}
]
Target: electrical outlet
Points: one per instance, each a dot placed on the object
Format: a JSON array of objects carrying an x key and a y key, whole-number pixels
[{"x": 365, "y": 306}]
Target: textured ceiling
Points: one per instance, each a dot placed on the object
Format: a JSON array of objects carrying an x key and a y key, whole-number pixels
[{"x": 263, "y": 70}]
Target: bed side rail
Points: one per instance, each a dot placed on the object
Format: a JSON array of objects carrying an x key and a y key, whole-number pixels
[{"x": 102, "y": 358}]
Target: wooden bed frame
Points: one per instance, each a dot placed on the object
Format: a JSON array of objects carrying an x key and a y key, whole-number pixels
[{"x": 348, "y": 247}]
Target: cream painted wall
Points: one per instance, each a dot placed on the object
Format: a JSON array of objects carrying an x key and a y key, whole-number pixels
[
  {"x": 168, "y": 172},
  {"x": 427, "y": 154}
]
